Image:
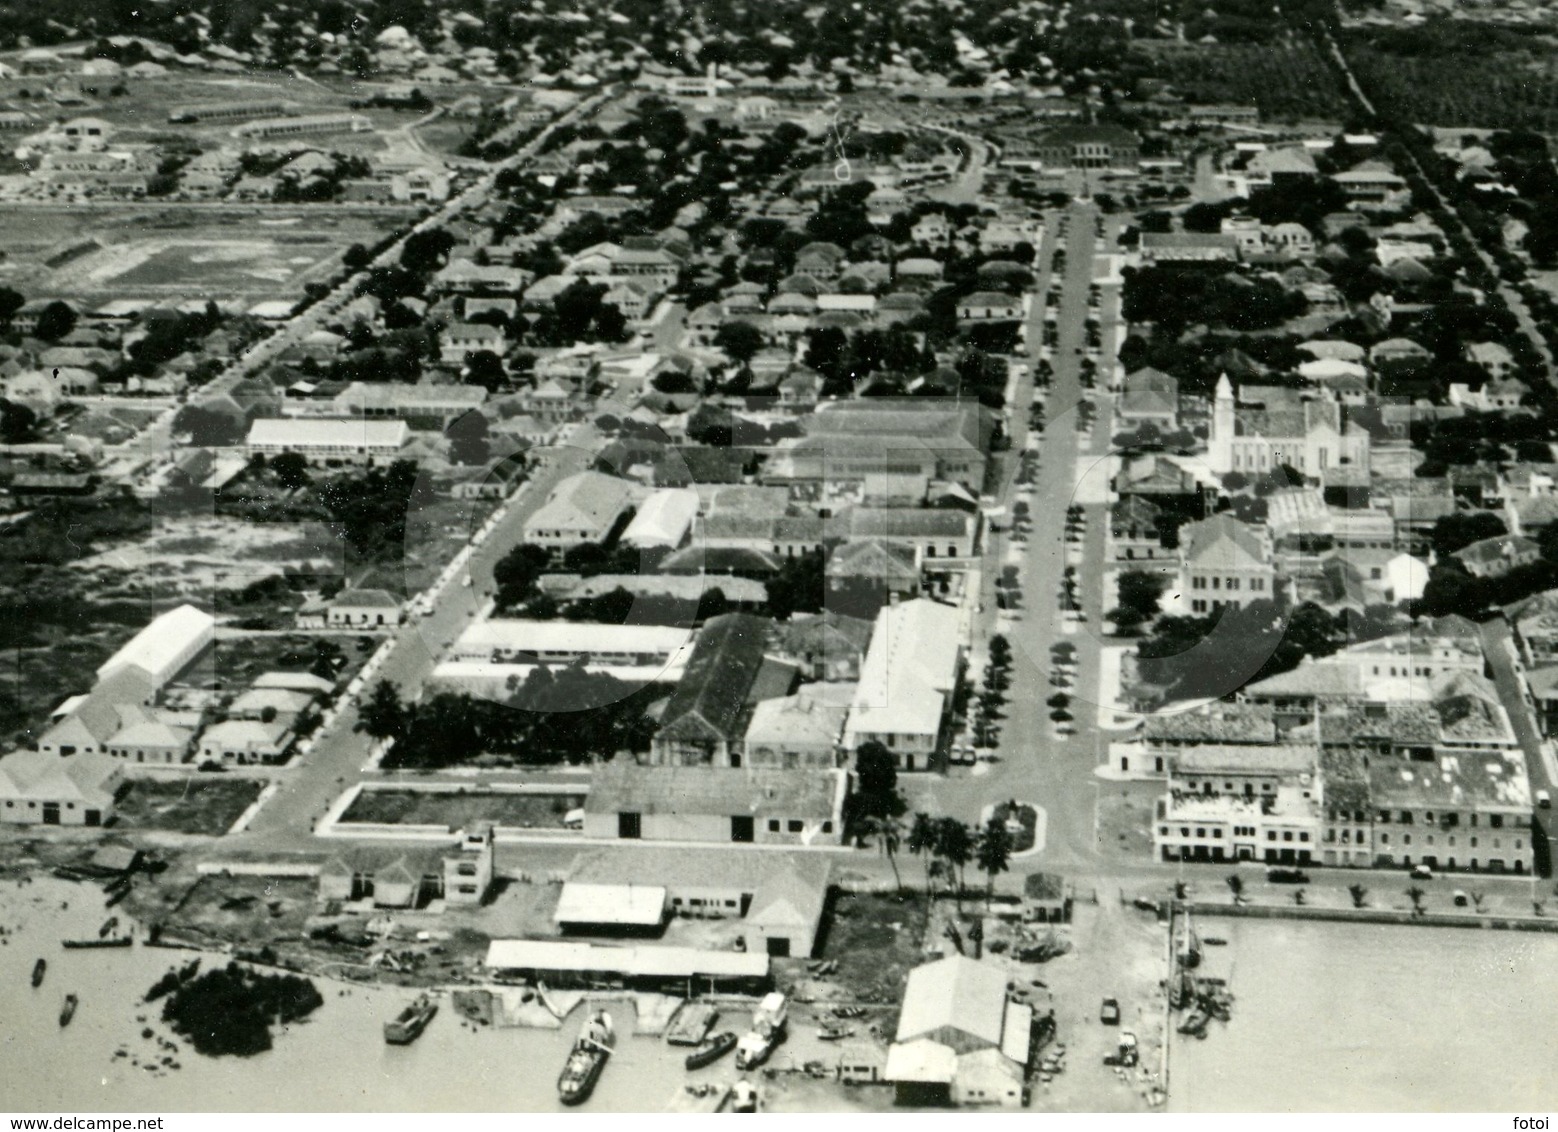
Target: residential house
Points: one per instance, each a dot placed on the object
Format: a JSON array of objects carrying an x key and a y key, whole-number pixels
[
  {"x": 800, "y": 731},
  {"x": 582, "y": 508},
  {"x": 364, "y": 609},
  {"x": 728, "y": 673},
  {"x": 1495, "y": 557}
]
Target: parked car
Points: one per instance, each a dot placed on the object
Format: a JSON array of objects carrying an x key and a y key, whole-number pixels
[
  {"x": 1109, "y": 1013},
  {"x": 1422, "y": 872}
]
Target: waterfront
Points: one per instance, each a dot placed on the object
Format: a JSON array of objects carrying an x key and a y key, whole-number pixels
[
  {"x": 1370, "y": 1017},
  {"x": 335, "y": 1061}
]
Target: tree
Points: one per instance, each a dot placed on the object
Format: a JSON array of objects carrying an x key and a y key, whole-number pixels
[
  {"x": 955, "y": 846},
  {"x": 484, "y": 368},
  {"x": 18, "y": 423},
  {"x": 1359, "y": 894},
  {"x": 1460, "y": 529},
  {"x": 383, "y": 716},
  {"x": 11, "y": 301},
  {"x": 468, "y": 438},
  {"x": 208, "y": 428},
  {"x": 994, "y": 853},
  {"x": 515, "y": 574},
  {"x": 424, "y": 252},
  {"x": 1416, "y": 894},
  {"x": 1236, "y": 887},
  {"x": 739, "y": 340},
  {"x": 876, "y": 782},
  {"x": 356, "y": 258},
  {"x": 888, "y": 833},
  {"x": 290, "y": 470},
  {"x": 55, "y": 321},
  {"x": 922, "y": 843}
]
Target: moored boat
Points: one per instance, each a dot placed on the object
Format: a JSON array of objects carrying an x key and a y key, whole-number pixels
[
  {"x": 712, "y": 1050},
  {"x": 408, "y": 1025},
  {"x": 68, "y": 1009},
  {"x": 38, "y": 969},
  {"x": 586, "y": 1060},
  {"x": 768, "y": 1025},
  {"x": 114, "y": 941}
]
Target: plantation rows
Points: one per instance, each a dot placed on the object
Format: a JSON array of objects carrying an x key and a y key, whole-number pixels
[
  {"x": 1509, "y": 92},
  {"x": 1286, "y": 81}
]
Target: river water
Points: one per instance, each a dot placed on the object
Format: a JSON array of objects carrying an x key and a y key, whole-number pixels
[
  {"x": 1372, "y": 1017},
  {"x": 334, "y": 1061}
]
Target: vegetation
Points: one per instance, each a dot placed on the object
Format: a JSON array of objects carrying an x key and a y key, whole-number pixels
[
  {"x": 565, "y": 715},
  {"x": 230, "y": 1011}
]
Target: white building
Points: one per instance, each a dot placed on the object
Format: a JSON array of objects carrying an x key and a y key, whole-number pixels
[
  {"x": 330, "y": 443},
  {"x": 664, "y": 519},
  {"x": 166, "y": 646},
  {"x": 906, "y": 682}
]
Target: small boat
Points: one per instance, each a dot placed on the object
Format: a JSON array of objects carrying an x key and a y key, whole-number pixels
[
  {"x": 108, "y": 925},
  {"x": 828, "y": 1033},
  {"x": 586, "y": 1060},
  {"x": 1214, "y": 941},
  {"x": 113, "y": 941},
  {"x": 38, "y": 969},
  {"x": 712, "y": 1050},
  {"x": 744, "y": 1097},
  {"x": 68, "y": 1009},
  {"x": 1195, "y": 1023},
  {"x": 408, "y": 1025}
]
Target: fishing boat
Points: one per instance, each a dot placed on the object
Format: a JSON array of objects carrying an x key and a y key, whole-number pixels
[
  {"x": 712, "y": 1050},
  {"x": 586, "y": 1060},
  {"x": 114, "y": 941},
  {"x": 38, "y": 969},
  {"x": 407, "y": 1026},
  {"x": 768, "y": 1024},
  {"x": 68, "y": 1009},
  {"x": 830, "y": 1033}
]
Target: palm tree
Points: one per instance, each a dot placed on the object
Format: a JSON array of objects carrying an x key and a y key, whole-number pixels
[
  {"x": 888, "y": 833},
  {"x": 1236, "y": 886},
  {"x": 1359, "y": 894},
  {"x": 922, "y": 843},
  {"x": 994, "y": 853},
  {"x": 1477, "y": 899},
  {"x": 1416, "y": 895},
  {"x": 955, "y": 845}
]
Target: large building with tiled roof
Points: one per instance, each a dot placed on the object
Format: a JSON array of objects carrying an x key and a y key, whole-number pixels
[
  {"x": 728, "y": 673},
  {"x": 1225, "y": 562}
]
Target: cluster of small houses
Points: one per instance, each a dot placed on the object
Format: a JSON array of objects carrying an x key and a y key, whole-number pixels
[{"x": 153, "y": 704}]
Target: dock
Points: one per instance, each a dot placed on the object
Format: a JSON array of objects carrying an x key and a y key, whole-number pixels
[{"x": 691, "y": 1024}]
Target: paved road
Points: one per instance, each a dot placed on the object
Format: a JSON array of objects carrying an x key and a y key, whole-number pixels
[
  {"x": 335, "y": 763},
  {"x": 1036, "y": 765}
]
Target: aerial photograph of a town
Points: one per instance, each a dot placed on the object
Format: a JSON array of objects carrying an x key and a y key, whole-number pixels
[{"x": 784, "y": 556}]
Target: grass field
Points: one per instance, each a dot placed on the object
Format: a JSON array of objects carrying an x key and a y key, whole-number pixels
[
  {"x": 876, "y": 939},
  {"x": 458, "y": 811},
  {"x": 205, "y": 804}
]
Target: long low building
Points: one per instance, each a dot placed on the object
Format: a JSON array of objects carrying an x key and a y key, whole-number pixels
[
  {"x": 686, "y": 969},
  {"x": 165, "y": 646},
  {"x": 777, "y": 898},
  {"x": 330, "y": 443},
  {"x": 514, "y": 640}
]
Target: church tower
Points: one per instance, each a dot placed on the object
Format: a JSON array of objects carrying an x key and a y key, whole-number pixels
[{"x": 1220, "y": 442}]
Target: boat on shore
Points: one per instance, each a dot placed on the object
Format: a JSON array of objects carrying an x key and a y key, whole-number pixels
[
  {"x": 68, "y": 1009},
  {"x": 586, "y": 1060},
  {"x": 407, "y": 1026},
  {"x": 712, "y": 1050},
  {"x": 78, "y": 944},
  {"x": 38, "y": 970}
]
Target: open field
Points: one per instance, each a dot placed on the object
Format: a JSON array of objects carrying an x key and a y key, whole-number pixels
[
  {"x": 458, "y": 811},
  {"x": 202, "y": 803},
  {"x": 876, "y": 939},
  {"x": 157, "y": 251}
]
